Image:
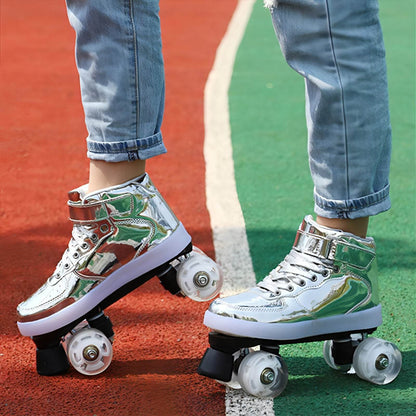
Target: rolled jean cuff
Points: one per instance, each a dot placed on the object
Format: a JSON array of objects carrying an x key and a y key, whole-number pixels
[
  {"x": 121, "y": 151},
  {"x": 366, "y": 206}
]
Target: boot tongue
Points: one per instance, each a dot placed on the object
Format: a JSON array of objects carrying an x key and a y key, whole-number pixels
[
  {"x": 96, "y": 196},
  {"x": 314, "y": 228},
  {"x": 78, "y": 194},
  {"x": 74, "y": 196}
]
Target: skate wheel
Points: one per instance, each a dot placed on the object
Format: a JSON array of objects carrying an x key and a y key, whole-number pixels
[
  {"x": 263, "y": 374},
  {"x": 89, "y": 351},
  {"x": 198, "y": 276},
  {"x": 329, "y": 359},
  {"x": 377, "y": 361}
]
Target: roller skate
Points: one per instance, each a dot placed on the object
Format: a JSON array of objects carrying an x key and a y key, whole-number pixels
[
  {"x": 122, "y": 236},
  {"x": 324, "y": 290}
]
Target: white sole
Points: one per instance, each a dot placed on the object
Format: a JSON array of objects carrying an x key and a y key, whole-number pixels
[{"x": 356, "y": 321}]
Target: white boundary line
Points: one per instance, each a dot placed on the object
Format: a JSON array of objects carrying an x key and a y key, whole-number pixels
[{"x": 227, "y": 221}]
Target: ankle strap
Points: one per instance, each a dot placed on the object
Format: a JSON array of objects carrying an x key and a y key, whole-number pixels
[{"x": 334, "y": 249}]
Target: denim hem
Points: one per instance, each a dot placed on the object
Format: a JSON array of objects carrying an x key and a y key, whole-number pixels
[
  {"x": 366, "y": 206},
  {"x": 119, "y": 151}
]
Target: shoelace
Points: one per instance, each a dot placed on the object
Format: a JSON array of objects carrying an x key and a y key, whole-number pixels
[
  {"x": 295, "y": 269},
  {"x": 77, "y": 247}
]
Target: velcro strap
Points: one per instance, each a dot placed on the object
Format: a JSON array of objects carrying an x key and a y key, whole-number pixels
[
  {"x": 87, "y": 213},
  {"x": 355, "y": 256},
  {"x": 313, "y": 244},
  {"x": 333, "y": 249}
]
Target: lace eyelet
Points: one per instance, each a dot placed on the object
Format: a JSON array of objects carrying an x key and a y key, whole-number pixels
[
  {"x": 302, "y": 283},
  {"x": 94, "y": 238},
  {"x": 75, "y": 255},
  {"x": 325, "y": 273},
  {"x": 55, "y": 278},
  {"x": 104, "y": 228},
  {"x": 336, "y": 269},
  {"x": 290, "y": 288},
  {"x": 85, "y": 246},
  {"x": 314, "y": 278},
  {"x": 278, "y": 293}
]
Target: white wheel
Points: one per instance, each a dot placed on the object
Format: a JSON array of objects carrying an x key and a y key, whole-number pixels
[
  {"x": 329, "y": 359},
  {"x": 89, "y": 351},
  {"x": 263, "y": 374},
  {"x": 198, "y": 276},
  {"x": 377, "y": 361}
]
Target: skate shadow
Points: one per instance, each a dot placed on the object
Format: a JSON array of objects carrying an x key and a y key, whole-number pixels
[
  {"x": 120, "y": 369},
  {"x": 161, "y": 366}
]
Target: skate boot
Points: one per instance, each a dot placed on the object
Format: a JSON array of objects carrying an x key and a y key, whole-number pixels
[
  {"x": 122, "y": 236},
  {"x": 325, "y": 289}
]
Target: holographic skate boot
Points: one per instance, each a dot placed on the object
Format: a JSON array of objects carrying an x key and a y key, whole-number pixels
[
  {"x": 122, "y": 236},
  {"x": 325, "y": 289}
]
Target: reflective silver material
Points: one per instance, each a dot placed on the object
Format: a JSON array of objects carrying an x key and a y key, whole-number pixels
[
  {"x": 111, "y": 228},
  {"x": 328, "y": 273}
]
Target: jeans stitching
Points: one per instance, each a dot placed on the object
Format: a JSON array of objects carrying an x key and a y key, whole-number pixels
[
  {"x": 342, "y": 97},
  {"x": 136, "y": 68}
]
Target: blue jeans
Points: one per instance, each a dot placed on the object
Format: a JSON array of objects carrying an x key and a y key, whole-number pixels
[
  {"x": 119, "y": 60},
  {"x": 336, "y": 45}
]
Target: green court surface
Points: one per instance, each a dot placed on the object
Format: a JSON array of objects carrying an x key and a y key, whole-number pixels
[{"x": 275, "y": 191}]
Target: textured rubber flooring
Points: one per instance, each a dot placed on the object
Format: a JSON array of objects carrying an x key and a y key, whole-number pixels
[{"x": 159, "y": 338}]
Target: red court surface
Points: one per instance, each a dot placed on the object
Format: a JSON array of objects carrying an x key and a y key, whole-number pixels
[{"x": 159, "y": 338}]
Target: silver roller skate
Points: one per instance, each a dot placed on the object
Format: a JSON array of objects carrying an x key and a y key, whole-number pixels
[
  {"x": 325, "y": 289},
  {"x": 122, "y": 236}
]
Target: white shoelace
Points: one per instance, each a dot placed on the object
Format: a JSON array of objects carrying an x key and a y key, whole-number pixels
[
  {"x": 77, "y": 247},
  {"x": 295, "y": 269}
]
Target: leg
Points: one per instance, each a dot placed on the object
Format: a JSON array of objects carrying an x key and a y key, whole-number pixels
[
  {"x": 124, "y": 233},
  {"x": 317, "y": 288},
  {"x": 326, "y": 287},
  {"x": 338, "y": 49},
  {"x": 357, "y": 226},
  {"x": 120, "y": 64},
  {"x": 106, "y": 174}
]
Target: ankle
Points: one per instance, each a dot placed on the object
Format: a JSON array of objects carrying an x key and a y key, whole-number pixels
[
  {"x": 357, "y": 226},
  {"x": 106, "y": 174}
]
